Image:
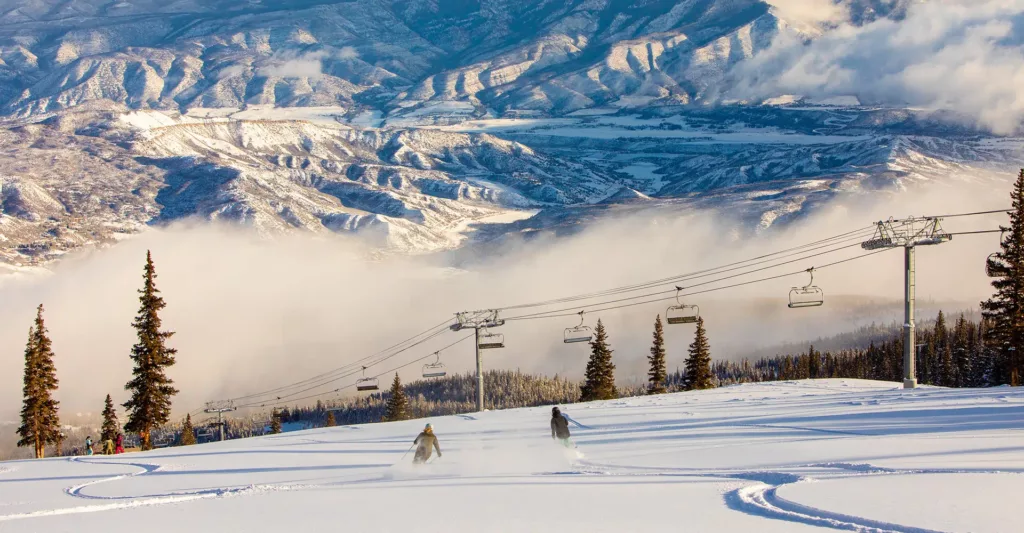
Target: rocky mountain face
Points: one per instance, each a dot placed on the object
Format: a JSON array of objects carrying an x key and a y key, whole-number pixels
[{"x": 415, "y": 121}]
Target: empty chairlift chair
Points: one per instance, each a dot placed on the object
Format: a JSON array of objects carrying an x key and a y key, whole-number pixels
[
  {"x": 578, "y": 333},
  {"x": 435, "y": 369},
  {"x": 366, "y": 384},
  {"x": 806, "y": 296},
  {"x": 682, "y": 313},
  {"x": 490, "y": 341},
  {"x": 992, "y": 259}
]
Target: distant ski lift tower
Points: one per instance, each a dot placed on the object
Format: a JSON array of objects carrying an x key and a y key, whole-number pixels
[
  {"x": 909, "y": 233},
  {"x": 477, "y": 320},
  {"x": 220, "y": 408}
]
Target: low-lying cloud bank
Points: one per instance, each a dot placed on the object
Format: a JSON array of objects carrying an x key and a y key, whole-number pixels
[
  {"x": 252, "y": 314},
  {"x": 961, "y": 55}
]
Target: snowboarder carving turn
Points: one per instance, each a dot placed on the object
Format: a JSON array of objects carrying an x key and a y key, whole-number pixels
[
  {"x": 560, "y": 428},
  {"x": 424, "y": 444}
]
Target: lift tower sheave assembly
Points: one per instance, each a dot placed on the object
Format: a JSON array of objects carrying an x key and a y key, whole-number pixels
[
  {"x": 477, "y": 320},
  {"x": 220, "y": 408},
  {"x": 909, "y": 234}
]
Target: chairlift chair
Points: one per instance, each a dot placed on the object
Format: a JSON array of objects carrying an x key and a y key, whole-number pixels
[
  {"x": 366, "y": 384},
  {"x": 682, "y": 313},
  {"x": 435, "y": 369},
  {"x": 988, "y": 269},
  {"x": 578, "y": 333},
  {"x": 806, "y": 296},
  {"x": 490, "y": 341}
]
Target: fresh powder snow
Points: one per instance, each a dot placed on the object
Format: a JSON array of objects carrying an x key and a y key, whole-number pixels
[{"x": 787, "y": 456}]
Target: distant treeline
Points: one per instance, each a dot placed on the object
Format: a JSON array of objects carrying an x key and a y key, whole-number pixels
[
  {"x": 453, "y": 394},
  {"x": 948, "y": 356}
]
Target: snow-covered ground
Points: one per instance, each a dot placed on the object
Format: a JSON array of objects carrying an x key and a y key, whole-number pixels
[{"x": 792, "y": 456}]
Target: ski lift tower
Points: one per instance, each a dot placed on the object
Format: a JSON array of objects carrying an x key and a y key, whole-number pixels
[
  {"x": 477, "y": 320},
  {"x": 220, "y": 408},
  {"x": 909, "y": 234}
]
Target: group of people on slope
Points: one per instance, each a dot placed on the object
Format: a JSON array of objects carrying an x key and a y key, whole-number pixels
[
  {"x": 110, "y": 446},
  {"x": 426, "y": 441}
]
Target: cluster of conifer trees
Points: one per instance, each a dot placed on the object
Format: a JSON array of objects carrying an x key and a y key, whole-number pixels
[
  {"x": 947, "y": 356},
  {"x": 151, "y": 390}
]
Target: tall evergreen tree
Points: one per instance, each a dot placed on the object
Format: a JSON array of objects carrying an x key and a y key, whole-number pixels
[
  {"x": 398, "y": 405},
  {"x": 331, "y": 422},
  {"x": 1005, "y": 310},
  {"x": 110, "y": 426},
  {"x": 150, "y": 404},
  {"x": 946, "y": 369},
  {"x": 40, "y": 421},
  {"x": 698, "y": 363},
  {"x": 813, "y": 363},
  {"x": 657, "y": 374},
  {"x": 600, "y": 375},
  {"x": 961, "y": 355},
  {"x": 275, "y": 423},
  {"x": 188, "y": 433}
]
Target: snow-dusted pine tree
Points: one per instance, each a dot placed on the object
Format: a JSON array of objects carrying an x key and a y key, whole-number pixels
[
  {"x": 600, "y": 375},
  {"x": 657, "y": 373},
  {"x": 698, "y": 364}
]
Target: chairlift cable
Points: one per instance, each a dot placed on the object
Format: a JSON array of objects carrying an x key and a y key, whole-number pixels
[
  {"x": 972, "y": 214},
  {"x": 538, "y": 316},
  {"x": 332, "y": 379},
  {"x": 410, "y": 363},
  {"x": 701, "y": 284},
  {"x": 342, "y": 368},
  {"x": 857, "y": 234}
]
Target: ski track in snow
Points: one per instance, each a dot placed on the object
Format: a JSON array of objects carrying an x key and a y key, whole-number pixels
[{"x": 757, "y": 497}]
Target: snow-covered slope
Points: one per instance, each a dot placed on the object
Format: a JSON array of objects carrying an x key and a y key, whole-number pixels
[{"x": 793, "y": 456}]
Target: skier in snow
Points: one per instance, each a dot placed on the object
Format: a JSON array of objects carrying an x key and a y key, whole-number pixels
[
  {"x": 424, "y": 442},
  {"x": 560, "y": 428},
  {"x": 88, "y": 445},
  {"x": 119, "y": 445}
]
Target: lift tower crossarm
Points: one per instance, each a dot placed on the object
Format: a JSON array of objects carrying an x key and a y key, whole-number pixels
[
  {"x": 220, "y": 408},
  {"x": 477, "y": 320},
  {"x": 908, "y": 234}
]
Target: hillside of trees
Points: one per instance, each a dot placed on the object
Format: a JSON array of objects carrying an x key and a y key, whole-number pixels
[
  {"x": 952, "y": 355},
  {"x": 449, "y": 395}
]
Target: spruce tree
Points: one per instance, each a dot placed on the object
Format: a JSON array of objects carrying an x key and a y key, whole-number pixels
[
  {"x": 40, "y": 421},
  {"x": 275, "y": 424},
  {"x": 961, "y": 360},
  {"x": 188, "y": 433},
  {"x": 698, "y": 363},
  {"x": 946, "y": 369},
  {"x": 110, "y": 426},
  {"x": 150, "y": 404},
  {"x": 331, "y": 422},
  {"x": 657, "y": 373},
  {"x": 398, "y": 405},
  {"x": 600, "y": 375},
  {"x": 1005, "y": 310}
]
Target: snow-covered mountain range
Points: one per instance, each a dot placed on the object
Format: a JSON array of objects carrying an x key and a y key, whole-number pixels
[{"x": 415, "y": 120}]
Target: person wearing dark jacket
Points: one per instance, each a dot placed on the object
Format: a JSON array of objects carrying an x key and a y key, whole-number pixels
[
  {"x": 424, "y": 444},
  {"x": 560, "y": 427}
]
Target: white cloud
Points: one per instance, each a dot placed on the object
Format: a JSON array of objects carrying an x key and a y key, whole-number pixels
[
  {"x": 289, "y": 65},
  {"x": 810, "y": 11},
  {"x": 303, "y": 65},
  {"x": 964, "y": 55}
]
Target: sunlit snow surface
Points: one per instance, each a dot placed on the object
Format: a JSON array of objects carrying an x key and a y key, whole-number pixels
[{"x": 793, "y": 456}]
